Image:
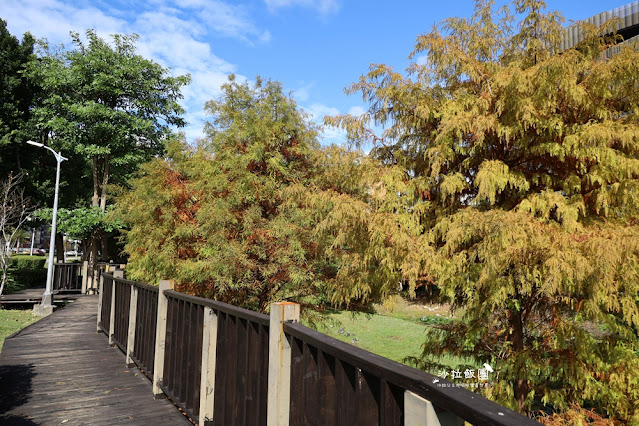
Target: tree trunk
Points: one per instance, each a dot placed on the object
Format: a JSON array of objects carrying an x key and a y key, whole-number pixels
[
  {"x": 521, "y": 384},
  {"x": 93, "y": 243},
  {"x": 98, "y": 238},
  {"x": 104, "y": 246},
  {"x": 3, "y": 281},
  {"x": 59, "y": 248},
  {"x": 85, "y": 246},
  {"x": 93, "y": 261},
  {"x": 95, "y": 200},
  {"x": 103, "y": 186},
  {"x": 4, "y": 266}
]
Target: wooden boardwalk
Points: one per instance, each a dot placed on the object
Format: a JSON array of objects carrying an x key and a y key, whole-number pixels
[
  {"x": 59, "y": 370},
  {"x": 31, "y": 296}
]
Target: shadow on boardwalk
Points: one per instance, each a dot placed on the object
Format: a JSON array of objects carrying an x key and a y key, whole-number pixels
[{"x": 60, "y": 371}]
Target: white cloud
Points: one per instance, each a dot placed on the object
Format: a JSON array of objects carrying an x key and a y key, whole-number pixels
[
  {"x": 329, "y": 135},
  {"x": 230, "y": 20},
  {"x": 319, "y": 111},
  {"x": 356, "y": 111},
  {"x": 323, "y": 6},
  {"x": 54, "y": 20},
  {"x": 303, "y": 92},
  {"x": 421, "y": 60},
  {"x": 333, "y": 135},
  {"x": 172, "y": 33}
]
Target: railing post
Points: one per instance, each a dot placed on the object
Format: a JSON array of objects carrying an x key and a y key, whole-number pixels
[
  {"x": 130, "y": 343},
  {"x": 209, "y": 348},
  {"x": 100, "y": 301},
  {"x": 85, "y": 278},
  {"x": 421, "y": 412},
  {"x": 54, "y": 282},
  {"x": 279, "y": 363},
  {"x": 160, "y": 338},
  {"x": 116, "y": 274}
]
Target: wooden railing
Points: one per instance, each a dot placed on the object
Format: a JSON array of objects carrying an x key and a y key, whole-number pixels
[
  {"x": 77, "y": 277},
  {"x": 142, "y": 353},
  {"x": 226, "y": 365},
  {"x": 240, "y": 361},
  {"x": 105, "y": 303},
  {"x": 183, "y": 352},
  {"x": 120, "y": 314},
  {"x": 70, "y": 277}
]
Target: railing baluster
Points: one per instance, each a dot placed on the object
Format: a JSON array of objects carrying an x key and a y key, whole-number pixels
[
  {"x": 231, "y": 365},
  {"x": 279, "y": 368},
  {"x": 100, "y": 302},
  {"x": 160, "y": 338},
  {"x": 221, "y": 368},
  {"x": 241, "y": 368},
  {"x": 85, "y": 277},
  {"x": 114, "y": 293},
  {"x": 326, "y": 375},
  {"x": 209, "y": 352},
  {"x": 133, "y": 310}
]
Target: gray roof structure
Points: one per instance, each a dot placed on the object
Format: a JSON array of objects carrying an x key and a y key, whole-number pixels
[{"x": 628, "y": 27}]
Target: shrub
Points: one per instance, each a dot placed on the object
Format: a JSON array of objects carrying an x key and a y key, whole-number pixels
[
  {"x": 25, "y": 272},
  {"x": 22, "y": 263}
]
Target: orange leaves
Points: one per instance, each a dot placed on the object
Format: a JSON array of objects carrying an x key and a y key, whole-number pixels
[
  {"x": 580, "y": 238},
  {"x": 184, "y": 199},
  {"x": 256, "y": 166},
  {"x": 423, "y": 194}
]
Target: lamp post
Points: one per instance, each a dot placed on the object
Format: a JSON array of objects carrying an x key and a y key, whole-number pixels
[{"x": 47, "y": 297}]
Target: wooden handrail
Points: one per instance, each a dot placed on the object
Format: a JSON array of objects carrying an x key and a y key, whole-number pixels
[
  {"x": 468, "y": 405},
  {"x": 232, "y": 386},
  {"x": 246, "y": 314}
]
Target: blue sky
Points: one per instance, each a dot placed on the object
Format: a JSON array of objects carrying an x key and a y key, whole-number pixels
[{"x": 314, "y": 47}]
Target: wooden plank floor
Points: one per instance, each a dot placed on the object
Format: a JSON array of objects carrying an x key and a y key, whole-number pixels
[
  {"x": 34, "y": 295},
  {"x": 59, "y": 370}
]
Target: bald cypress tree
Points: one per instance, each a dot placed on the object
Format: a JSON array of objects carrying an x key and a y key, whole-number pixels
[
  {"x": 230, "y": 219},
  {"x": 517, "y": 174}
]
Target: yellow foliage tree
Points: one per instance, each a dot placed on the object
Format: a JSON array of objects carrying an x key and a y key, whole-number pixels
[{"x": 509, "y": 177}]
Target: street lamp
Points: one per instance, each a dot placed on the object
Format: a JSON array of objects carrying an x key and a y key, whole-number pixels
[{"x": 47, "y": 297}]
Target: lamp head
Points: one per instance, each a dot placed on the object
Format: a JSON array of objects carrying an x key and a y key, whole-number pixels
[{"x": 39, "y": 145}]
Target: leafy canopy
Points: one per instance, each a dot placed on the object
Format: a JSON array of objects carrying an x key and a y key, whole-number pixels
[
  {"x": 106, "y": 107},
  {"x": 517, "y": 171},
  {"x": 104, "y": 99},
  {"x": 17, "y": 93},
  {"x": 225, "y": 219}
]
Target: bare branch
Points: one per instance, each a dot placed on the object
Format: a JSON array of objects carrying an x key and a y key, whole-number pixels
[{"x": 15, "y": 210}]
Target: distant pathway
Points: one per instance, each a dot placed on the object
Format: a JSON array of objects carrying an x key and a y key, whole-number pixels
[{"x": 59, "y": 370}]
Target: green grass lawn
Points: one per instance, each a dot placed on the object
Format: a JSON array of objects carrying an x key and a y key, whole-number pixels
[
  {"x": 13, "y": 320},
  {"x": 395, "y": 331},
  {"x": 390, "y": 337}
]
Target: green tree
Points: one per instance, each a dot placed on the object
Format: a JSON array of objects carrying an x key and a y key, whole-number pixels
[
  {"x": 19, "y": 95},
  {"x": 517, "y": 172},
  {"x": 17, "y": 92},
  {"x": 106, "y": 105},
  {"x": 80, "y": 223},
  {"x": 223, "y": 219}
]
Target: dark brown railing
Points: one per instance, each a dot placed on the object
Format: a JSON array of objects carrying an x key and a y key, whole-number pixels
[
  {"x": 241, "y": 359},
  {"x": 143, "y": 352},
  {"x": 106, "y": 291},
  {"x": 183, "y": 356},
  {"x": 67, "y": 277},
  {"x": 121, "y": 314},
  {"x": 241, "y": 366},
  {"x": 246, "y": 368},
  {"x": 343, "y": 384}
]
